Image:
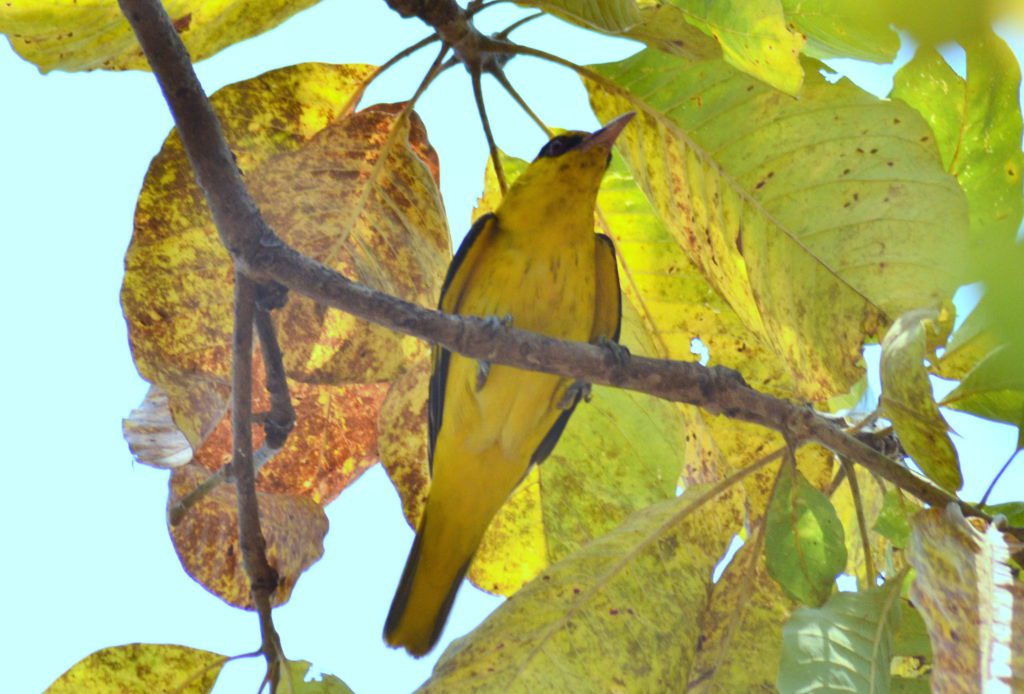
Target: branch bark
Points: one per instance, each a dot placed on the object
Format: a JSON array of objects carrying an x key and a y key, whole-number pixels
[{"x": 264, "y": 257}]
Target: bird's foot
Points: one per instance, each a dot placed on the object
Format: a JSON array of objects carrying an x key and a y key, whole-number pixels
[
  {"x": 483, "y": 367},
  {"x": 620, "y": 354},
  {"x": 573, "y": 394},
  {"x": 483, "y": 370}
]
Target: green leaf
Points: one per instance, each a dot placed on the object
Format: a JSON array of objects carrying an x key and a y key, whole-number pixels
[
  {"x": 893, "y": 520},
  {"x": 600, "y": 619},
  {"x": 818, "y": 220},
  {"x": 1013, "y": 510},
  {"x": 71, "y": 35},
  {"x": 142, "y": 667},
  {"x": 843, "y": 646},
  {"x": 844, "y": 29},
  {"x": 611, "y": 16},
  {"x": 978, "y": 127},
  {"x": 994, "y": 389},
  {"x": 907, "y": 399},
  {"x": 754, "y": 38},
  {"x": 805, "y": 544},
  {"x": 911, "y": 637}
]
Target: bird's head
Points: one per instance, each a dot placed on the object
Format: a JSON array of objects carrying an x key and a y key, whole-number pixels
[{"x": 569, "y": 168}]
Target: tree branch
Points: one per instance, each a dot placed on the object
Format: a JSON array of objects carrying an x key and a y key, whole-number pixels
[
  {"x": 262, "y": 577},
  {"x": 264, "y": 257}
]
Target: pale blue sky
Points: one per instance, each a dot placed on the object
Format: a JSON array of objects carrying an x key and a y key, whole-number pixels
[{"x": 87, "y": 562}]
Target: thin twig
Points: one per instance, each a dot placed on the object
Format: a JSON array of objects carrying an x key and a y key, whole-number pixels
[
  {"x": 862, "y": 523},
  {"x": 478, "y": 94},
  {"x": 504, "y": 33},
  {"x": 281, "y": 419},
  {"x": 405, "y": 53},
  {"x": 999, "y": 474},
  {"x": 499, "y": 75},
  {"x": 263, "y": 578}
]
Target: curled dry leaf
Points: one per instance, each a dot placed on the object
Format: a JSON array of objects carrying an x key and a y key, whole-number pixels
[
  {"x": 152, "y": 437},
  {"x": 970, "y": 600},
  {"x": 907, "y": 399},
  {"x": 206, "y": 539}
]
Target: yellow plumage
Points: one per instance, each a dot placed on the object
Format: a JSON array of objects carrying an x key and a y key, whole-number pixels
[{"x": 538, "y": 260}]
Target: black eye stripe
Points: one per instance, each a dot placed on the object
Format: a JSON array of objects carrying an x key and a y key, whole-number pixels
[{"x": 560, "y": 145}]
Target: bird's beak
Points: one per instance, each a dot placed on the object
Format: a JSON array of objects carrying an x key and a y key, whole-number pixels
[{"x": 605, "y": 137}]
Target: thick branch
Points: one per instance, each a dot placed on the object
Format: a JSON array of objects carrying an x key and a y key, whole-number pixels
[{"x": 265, "y": 257}]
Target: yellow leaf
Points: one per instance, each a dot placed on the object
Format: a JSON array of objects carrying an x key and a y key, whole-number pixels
[
  {"x": 142, "y": 667},
  {"x": 206, "y": 539},
  {"x": 973, "y": 606},
  {"x": 817, "y": 220},
  {"x": 611, "y": 16},
  {"x": 754, "y": 38},
  {"x": 71, "y": 35},
  {"x": 907, "y": 399},
  {"x": 600, "y": 619}
]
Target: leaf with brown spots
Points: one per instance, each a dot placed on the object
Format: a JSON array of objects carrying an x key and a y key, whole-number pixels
[
  {"x": 795, "y": 218},
  {"x": 970, "y": 600},
  {"x": 746, "y": 610},
  {"x": 334, "y": 440},
  {"x": 600, "y": 619},
  {"x": 403, "y": 441},
  {"x": 907, "y": 399},
  {"x": 142, "y": 667},
  {"x": 206, "y": 539},
  {"x": 71, "y": 35}
]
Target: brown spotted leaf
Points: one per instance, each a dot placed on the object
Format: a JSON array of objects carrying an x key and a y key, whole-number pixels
[
  {"x": 818, "y": 220},
  {"x": 142, "y": 667},
  {"x": 600, "y": 619},
  {"x": 970, "y": 600},
  {"x": 72, "y": 35},
  {"x": 403, "y": 442},
  {"x": 746, "y": 611},
  {"x": 206, "y": 539}
]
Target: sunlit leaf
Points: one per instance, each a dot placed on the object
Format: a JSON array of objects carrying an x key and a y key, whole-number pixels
[
  {"x": 206, "y": 539},
  {"x": 142, "y": 667},
  {"x": 994, "y": 389},
  {"x": 1013, "y": 511},
  {"x": 72, "y": 35},
  {"x": 844, "y": 28},
  {"x": 754, "y": 38},
  {"x": 973, "y": 606},
  {"x": 612, "y": 16},
  {"x": 977, "y": 124},
  {"x": 907, "y": 399},
  {"x": 403, "y": 437},
  {"x": 325, "y": 684},
  {"x": 818, "y": 220},
  {"x": 152, "y": 436},
  {"x": 599, "y": 619},
  {"x": 664, "y": 26},
  {"x": 967, "y": 346},
  {"x": 843, "y": 646},
  {"x": 804, "y": 541}
]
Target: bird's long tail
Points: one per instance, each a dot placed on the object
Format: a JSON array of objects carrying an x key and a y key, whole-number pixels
[{"x": 457, "y": 514}]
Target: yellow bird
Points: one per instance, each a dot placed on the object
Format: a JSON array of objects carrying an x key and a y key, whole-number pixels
[{"x": 537, "y": 260}]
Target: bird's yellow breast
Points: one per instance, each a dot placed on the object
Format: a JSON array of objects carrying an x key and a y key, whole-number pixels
[{"x": 546, "y": 281}]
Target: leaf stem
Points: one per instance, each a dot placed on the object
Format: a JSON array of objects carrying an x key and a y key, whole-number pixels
[
  {"x": 353, "y": 100},
  {"x": 862, "y": 524},
  {"x": 479, "y": 96},
  {"x": 999, "y": 474},
  {"x": 499, "y": 75}
]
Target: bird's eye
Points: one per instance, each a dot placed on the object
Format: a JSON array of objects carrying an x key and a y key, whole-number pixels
[
  {"x": 560, "y": 145},
  {"x": 555, "y": 147}
]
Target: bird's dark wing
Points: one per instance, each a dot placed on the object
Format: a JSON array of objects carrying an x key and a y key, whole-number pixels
[{"x": 461, "y": 268}]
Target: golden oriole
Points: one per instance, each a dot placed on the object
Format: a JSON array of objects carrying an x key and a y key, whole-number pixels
[{"x": 537, "y": 260}]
